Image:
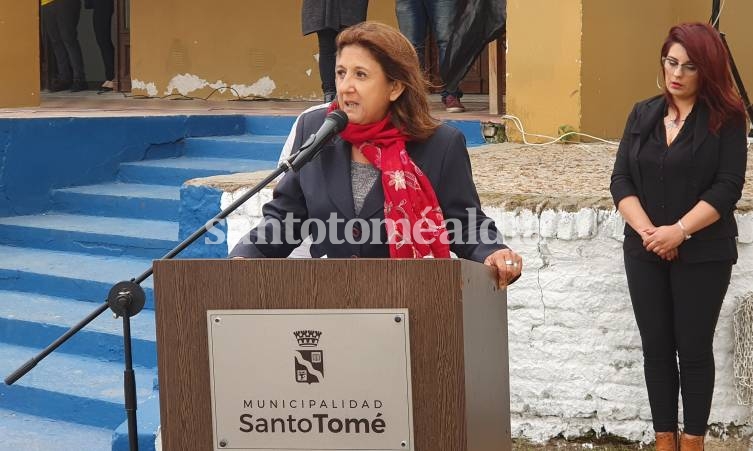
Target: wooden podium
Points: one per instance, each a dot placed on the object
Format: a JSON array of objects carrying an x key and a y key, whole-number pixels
[{"x": 458, "y": 337}]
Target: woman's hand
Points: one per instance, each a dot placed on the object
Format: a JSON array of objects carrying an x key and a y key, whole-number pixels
[
  {"x": 645, "y": 233},
  {"x": 508, "y": 264},
  {"x": 662, "y": 240},
  {"x": 671, "y": 255}
]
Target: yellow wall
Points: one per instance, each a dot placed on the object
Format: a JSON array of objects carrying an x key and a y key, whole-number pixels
[
  {"x": 735, "y": 23},
  {"x": 19, "y": 53},
  {"x": 256, "y": 46},
  {"x": 609, "y": 49},
  {"x": 621, "y": 45},
  {"x": 543, "y": 63},
  {"x": 581, "y": 63}
]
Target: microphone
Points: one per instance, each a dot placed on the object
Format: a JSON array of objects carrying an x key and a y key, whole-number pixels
[{"x": 334, "y": 123}]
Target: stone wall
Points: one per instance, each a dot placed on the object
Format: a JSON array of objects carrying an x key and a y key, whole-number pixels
[{"x": 575, "y": 355}]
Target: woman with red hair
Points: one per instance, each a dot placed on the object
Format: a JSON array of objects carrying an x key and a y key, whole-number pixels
[{"x": 679, "y": 172}]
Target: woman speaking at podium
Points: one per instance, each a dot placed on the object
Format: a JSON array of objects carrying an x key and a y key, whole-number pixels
[{"x": 395, "y": 183}]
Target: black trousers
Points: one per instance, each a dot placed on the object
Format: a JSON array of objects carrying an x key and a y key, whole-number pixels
[
  {"x": 676, "y": 306},
  {"x": 60, "y": 22},
  {"x": 102, "y": 23},
  {"x": 327, "y": 51}
]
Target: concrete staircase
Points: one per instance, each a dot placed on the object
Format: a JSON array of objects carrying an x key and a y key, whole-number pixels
[{"x": 57, "y": 267}]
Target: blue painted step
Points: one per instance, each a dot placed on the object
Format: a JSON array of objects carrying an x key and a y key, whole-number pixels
[
  {"x": 269, "y": 125},
  {"x": 30, "y": 319},
  {"x": 148, "y": 424},
  {"x": 67, "y": 274},
  {"x": 69, "y": 388},
  {"x": 137, "y": 201},
  {"x": 175, "y": 171},
  {"x": 252, "y": 147},
  {"x": 90, "y": 234},
  {"x": 32, "y": 433},
  {"x": 73, "y": 399}
]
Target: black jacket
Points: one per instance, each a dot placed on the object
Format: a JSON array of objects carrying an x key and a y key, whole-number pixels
[
  {"x": 335, "y": 15},
  {"x": 323, "y": 187},
  {"x": 717, "y": 172}
]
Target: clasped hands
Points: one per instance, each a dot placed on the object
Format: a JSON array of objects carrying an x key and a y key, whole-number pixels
[{"x": 663, "y": 241}]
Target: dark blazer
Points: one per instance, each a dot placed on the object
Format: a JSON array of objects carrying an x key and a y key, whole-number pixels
[
  {"x": 323, "y": 187},
  {"x": 717, "y": 173},
  {"x": 335, "y": 15}
]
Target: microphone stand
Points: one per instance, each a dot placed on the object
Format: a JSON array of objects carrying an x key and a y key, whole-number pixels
[
  {"x": 127, "y": 298},
  {"x": 715, "y": 12}
]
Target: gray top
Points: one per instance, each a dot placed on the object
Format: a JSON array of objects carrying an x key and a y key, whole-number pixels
[{"x": 362, "y": 176}]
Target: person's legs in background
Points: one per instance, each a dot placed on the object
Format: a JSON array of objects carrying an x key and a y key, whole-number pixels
[
  {"x": 102, "y": 23},
  {"x": 698, "y": 290},
  {"x": 68, "y": 14},
  {"x": 413, "y": 22},
  {"x": 327, "y": 52},
  {"x": 651, "y": 296},
  {"x": 442, "y": 14},
  {"x": 64, "y": 74}
]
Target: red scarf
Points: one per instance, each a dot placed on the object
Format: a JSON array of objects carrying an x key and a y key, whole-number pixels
[{"x": 414, "y": 220}]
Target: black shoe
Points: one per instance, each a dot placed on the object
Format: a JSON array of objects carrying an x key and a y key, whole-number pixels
[
  {"x": 79, "y": 85},
  {"x": 60, "y": 85}
]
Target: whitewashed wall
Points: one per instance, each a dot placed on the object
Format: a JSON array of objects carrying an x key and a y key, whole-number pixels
[
  {"x": 576, "y": 362},
  {"x": 575, "y": 356}
]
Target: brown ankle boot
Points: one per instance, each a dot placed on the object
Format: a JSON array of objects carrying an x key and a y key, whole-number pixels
[
  {"x": 691, "y": 442},
  {"x": 666, "y": 441}
]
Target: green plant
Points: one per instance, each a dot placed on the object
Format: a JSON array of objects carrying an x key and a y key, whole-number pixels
[{"x": 564, "y": 130}]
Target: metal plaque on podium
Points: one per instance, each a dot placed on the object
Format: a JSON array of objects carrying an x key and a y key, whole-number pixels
[{"x": 310, "y": 379}]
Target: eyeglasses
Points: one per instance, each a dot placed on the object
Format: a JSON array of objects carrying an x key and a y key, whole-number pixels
[{"x": 671, "y": 65}]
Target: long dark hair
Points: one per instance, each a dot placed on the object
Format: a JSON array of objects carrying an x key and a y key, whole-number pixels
[
  {"x": 396, "y": 55},
  {"x": 715, "y": 87}
]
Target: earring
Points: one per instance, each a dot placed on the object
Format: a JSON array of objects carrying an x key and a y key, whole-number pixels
[{"x": 659, "y": 80}]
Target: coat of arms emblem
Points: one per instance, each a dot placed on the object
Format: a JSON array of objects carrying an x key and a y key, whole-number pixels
[{"x": 309, "y": 363}]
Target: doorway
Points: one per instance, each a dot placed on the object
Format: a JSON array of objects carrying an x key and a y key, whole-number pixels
[
  {"x": 476, "y": 81},
  {"x": 123, "y": 45}
]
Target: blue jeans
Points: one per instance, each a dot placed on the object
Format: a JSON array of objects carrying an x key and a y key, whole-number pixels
[{"x": 416, "y": 17}]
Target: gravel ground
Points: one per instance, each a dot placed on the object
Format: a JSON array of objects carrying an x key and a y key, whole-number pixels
[
  {"x": 564, "y": 445},
  {"x": 565, "y": 176}
]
